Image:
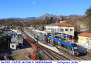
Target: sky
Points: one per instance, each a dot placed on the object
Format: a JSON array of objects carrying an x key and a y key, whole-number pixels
[{"x": 36, "y": 8}]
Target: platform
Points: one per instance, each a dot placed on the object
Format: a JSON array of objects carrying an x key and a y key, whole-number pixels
[{"x": 51, "y": 48}]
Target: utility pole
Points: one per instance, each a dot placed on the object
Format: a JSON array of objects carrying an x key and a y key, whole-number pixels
[
  {"x": 40, "y": 37},
  {"x": 88, "y": 43},
  {"x": 72, "y": 40},
  {"x": 66, "y": 37},
  {"x": 34, "y": 33},
  {"x": 52, "y": 36},
  {"x": 62, "y": 36}
]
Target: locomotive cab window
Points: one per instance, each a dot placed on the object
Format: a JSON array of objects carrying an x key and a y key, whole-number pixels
[{"x": 75, "y": 47}]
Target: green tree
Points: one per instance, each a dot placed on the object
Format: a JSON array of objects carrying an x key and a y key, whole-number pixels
[
  {"x": 88, "y": 12},
  {"x": 88, "y": 18}
]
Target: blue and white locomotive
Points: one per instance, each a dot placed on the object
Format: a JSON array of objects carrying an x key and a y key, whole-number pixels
[{"x": 69, "y": 47}]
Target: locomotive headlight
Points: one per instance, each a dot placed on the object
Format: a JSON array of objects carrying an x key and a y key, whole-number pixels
[{"x": 75, "y": 47}]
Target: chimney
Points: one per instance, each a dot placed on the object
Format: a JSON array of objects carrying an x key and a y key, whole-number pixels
[{"x": 62, "y": 21}]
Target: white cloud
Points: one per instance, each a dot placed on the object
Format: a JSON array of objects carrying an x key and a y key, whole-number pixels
[{"x": 34, "y": 2}]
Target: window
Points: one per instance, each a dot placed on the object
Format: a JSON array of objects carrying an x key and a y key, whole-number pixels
[
  {"x": 12, "y": 45},
  {"x": 48, "y": 28},
  {"x": 62, "y": 45},
  {"x": 61, "y": 30},
  {"x": 66, "y": 29},
  {"x": 20, "y": 37},
  {"x": 71, "y": 29}
]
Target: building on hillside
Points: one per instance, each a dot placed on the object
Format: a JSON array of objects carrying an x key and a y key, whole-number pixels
[
  {"x": 84, "y": 39},
  {"x": 1, "y": 28},
  {"x": 82, "y": 26},
  {"x": 61, "y": 27}
]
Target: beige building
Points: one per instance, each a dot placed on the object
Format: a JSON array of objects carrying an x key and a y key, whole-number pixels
[
  {"x": 61, "y": 27},
  {"x": 84, "y": 39}
]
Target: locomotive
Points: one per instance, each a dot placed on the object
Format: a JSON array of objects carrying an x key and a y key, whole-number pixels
[{"x": 69, "y": 47}]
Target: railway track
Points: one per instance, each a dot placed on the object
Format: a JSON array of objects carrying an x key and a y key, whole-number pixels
[
  {"x": 76, "y": 57},
  {"x": 53, "y": 54},
  {"x": 46, "y": 54},
  {"x": 70, "y": 55},
  {"x": 86, "y": 57}
]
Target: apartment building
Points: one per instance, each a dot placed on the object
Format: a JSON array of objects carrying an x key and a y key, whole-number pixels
[{"x": 61, "y": 27}]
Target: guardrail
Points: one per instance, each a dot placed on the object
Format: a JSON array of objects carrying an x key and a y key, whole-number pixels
[{"x": 35, "y": 49}]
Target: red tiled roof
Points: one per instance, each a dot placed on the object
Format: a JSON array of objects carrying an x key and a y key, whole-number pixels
[
  {"x": 85, "y": 34},
  {"x": 64, "y": 24},
  {"x": 61, "y": 24}
]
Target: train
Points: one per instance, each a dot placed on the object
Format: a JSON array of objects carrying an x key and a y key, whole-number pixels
[{"x": 69, "y": 47}]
